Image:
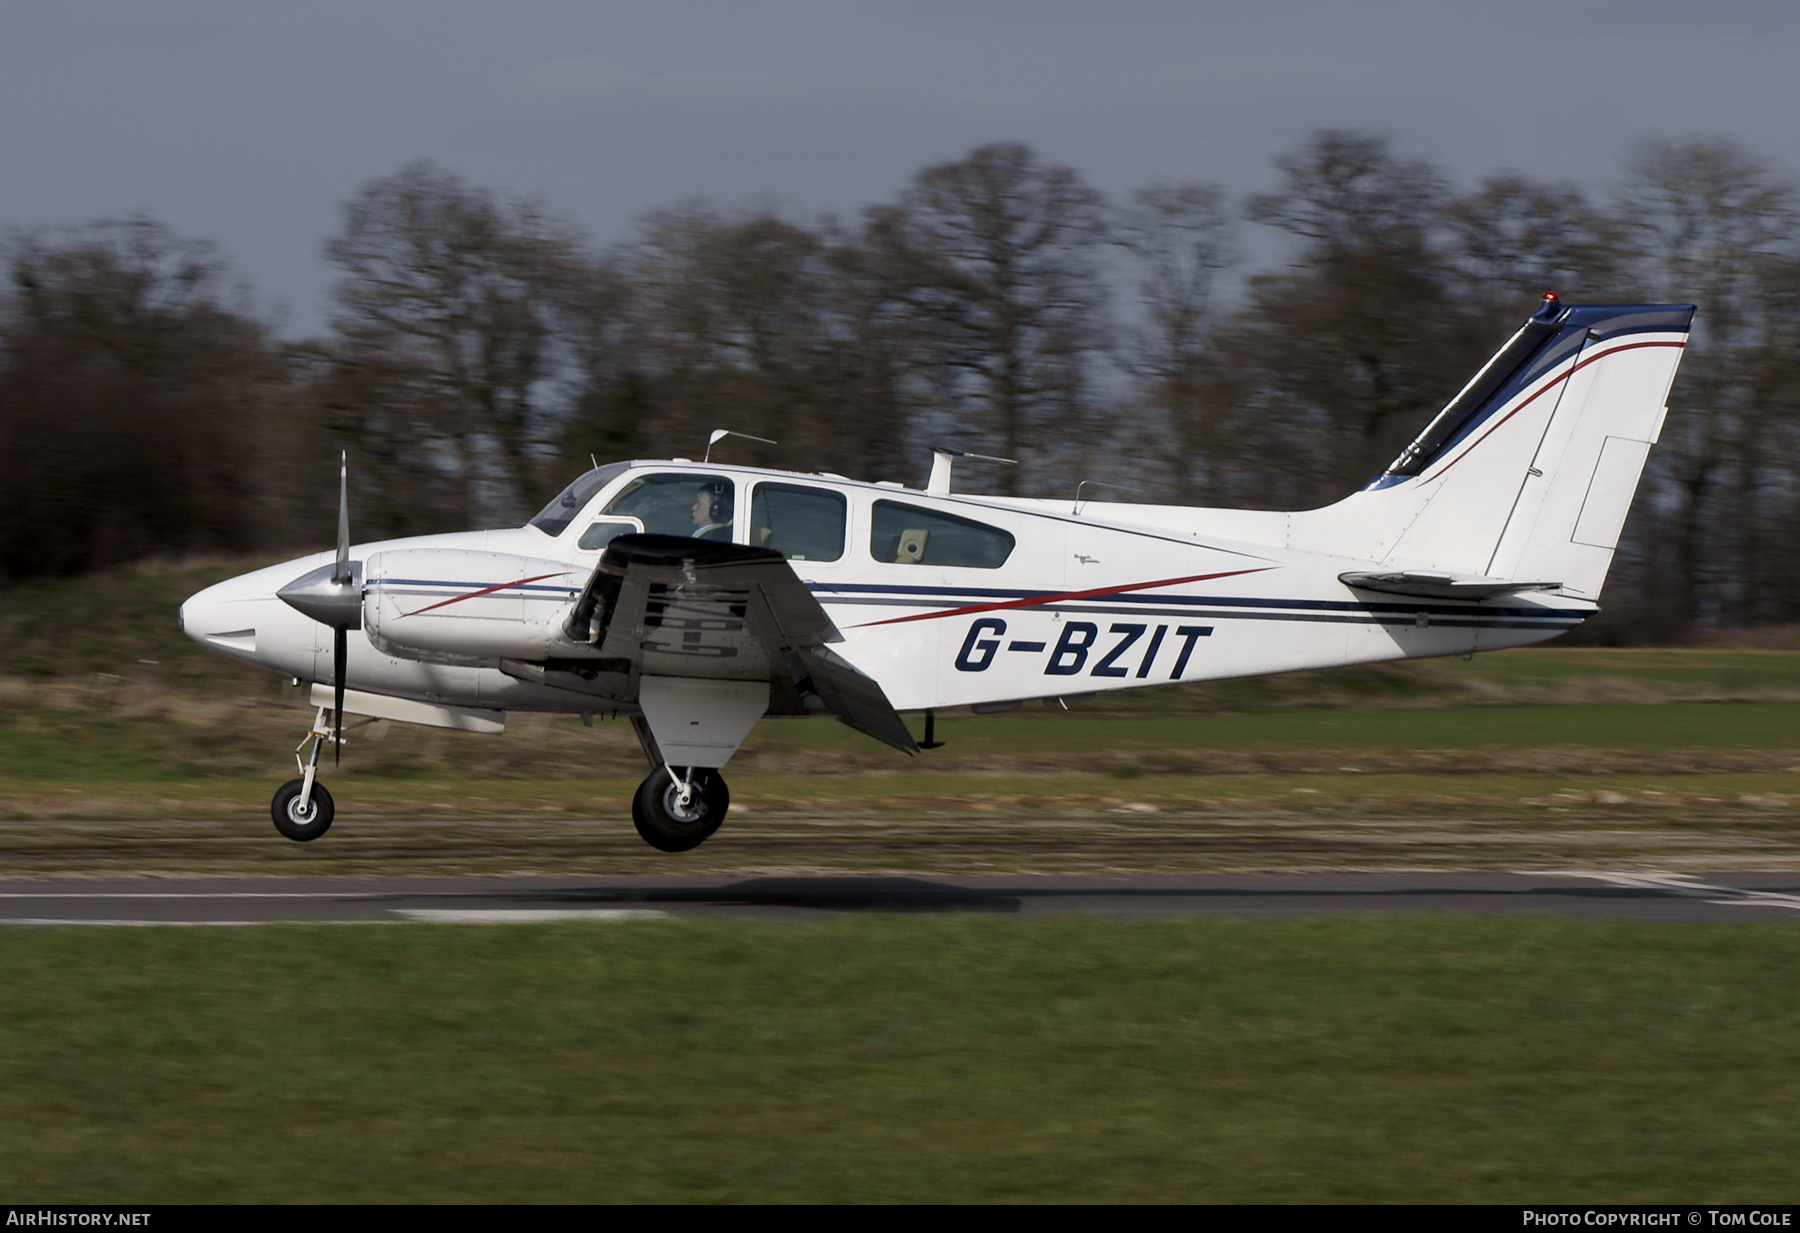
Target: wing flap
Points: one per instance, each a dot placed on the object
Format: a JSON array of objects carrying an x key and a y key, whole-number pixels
[{"x": 854, "y": 698}]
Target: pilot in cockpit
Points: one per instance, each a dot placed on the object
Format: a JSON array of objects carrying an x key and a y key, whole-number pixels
[{"x": 712, "y": 512}]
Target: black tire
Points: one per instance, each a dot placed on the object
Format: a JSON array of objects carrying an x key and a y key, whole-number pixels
[
  {"x": 301, "y": 827},
  {"x": 661, "y": 821}
]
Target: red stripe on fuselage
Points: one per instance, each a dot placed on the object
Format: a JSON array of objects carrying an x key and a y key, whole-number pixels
[
  {"x": 484, "y": 591},
  {"x": 1040, "y": 600}
]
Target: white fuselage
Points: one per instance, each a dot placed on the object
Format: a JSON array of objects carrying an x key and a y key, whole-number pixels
[{"x": 1089, "y": 598}]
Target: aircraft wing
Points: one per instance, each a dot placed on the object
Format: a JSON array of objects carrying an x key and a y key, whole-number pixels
[{"x": 670, "y": 606}]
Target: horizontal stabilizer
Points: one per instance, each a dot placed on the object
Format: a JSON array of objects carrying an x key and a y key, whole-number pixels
[{"x": 1437, "y": 584}]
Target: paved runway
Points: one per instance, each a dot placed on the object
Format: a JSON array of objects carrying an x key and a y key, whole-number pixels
[{"x": 1584, "y": 895}]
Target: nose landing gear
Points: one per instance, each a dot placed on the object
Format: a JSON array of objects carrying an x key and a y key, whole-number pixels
[{"x": 302, "y": 809}]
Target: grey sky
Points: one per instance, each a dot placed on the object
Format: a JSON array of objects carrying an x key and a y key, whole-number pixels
[{"x": 247, "y": 123}]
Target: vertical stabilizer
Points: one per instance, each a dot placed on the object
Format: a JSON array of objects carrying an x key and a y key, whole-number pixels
[
  {"x": 1529, "y": 472},
  {"x": 1572, "y": 506}
]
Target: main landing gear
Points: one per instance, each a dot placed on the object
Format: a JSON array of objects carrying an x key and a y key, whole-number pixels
[
  {"x": 680, "y": 810},
  {"x": 302, "y": 808}
]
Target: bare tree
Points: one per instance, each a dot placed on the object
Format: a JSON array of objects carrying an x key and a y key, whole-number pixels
[
  {"x": 446, "y": 337},
  {"x": 1358, "y": 341},
  {"x": 1710, "y": 222},
  {"x": 750, "y": 321},
  {"x": 995, "y": 257},
  {"x": 1180, "y": 237},
  {"x": 733, "y": 311},
  {"x": 1514, "y": 238},
  {"x": 137, "y": 402},
  {"x": 1774, "y": 596},
  {"x": 606, "y": 397}
]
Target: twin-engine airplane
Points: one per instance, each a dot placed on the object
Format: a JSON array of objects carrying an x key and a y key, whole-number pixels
[{"x": 696, "y": 598}]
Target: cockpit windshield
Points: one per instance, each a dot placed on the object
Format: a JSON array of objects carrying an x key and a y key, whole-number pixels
[{"x": 555, "y": 517}]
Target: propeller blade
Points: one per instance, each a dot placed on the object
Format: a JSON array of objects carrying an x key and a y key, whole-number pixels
[
  {"x": 340, "y": 648},
  {"x": 342, "y": 573}
]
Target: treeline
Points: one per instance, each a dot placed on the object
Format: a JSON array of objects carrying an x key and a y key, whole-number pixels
[{"x": 480, "y": 350}]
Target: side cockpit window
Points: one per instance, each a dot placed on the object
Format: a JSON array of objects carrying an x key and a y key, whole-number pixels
[
  {"x": 911, "y": 535},
  {"x": 700, "y": 506},
  {"x": 555, "y": 517},
  {"x": 800, "y": 522}
]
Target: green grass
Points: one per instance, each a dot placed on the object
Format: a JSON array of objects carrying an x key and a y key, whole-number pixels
[
  {"x": 109, "y": 716},
  {"x": 1695, "y": 725},
  {"x": 903, "y": 1059},
  {"x": 115, "y": 620},
  {"x": 115, "y": 734},
  {"x": 153, "y": 785}
]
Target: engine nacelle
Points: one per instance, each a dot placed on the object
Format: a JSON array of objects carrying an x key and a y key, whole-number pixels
[{"x": 457, "y": 605}]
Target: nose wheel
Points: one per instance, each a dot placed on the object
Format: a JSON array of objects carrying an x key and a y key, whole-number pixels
[{"x": 677, "y": 811}]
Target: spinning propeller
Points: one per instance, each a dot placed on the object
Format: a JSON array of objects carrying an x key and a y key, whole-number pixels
[{"x": 332, "y": 595}]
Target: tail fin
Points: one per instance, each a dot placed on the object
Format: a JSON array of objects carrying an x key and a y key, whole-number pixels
[{"x": 1529, "y": 472}]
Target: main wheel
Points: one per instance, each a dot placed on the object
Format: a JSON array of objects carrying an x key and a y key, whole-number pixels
[
  {"x": 298, "y": 824},
  {"x": 669, "y": 826}
]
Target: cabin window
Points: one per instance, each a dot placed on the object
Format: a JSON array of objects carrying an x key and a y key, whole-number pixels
[
  {"x": 911, "y": 535},
  {"x": 799, "y": 522},
  {"x": 555, "y": 517},
  {"x": 699, "y": 506},
  {"x": 604, "y": 532}
]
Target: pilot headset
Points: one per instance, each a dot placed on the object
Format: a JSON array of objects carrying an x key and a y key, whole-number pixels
[{"x": 718, "y": 507}]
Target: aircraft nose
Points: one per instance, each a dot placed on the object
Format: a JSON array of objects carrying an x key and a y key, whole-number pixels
[
  {"x": 242, "y": 618},
  {"x": 220, "y": 617}
]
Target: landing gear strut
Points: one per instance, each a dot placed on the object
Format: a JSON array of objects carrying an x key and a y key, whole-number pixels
[
  {"x": 302, "y": 808},
  {"x": 678, "y": 811}
]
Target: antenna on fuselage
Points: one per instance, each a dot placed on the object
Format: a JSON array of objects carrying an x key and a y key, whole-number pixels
[
  {"x": 719, "y": 434},
  {"x": 939, "y": 483},
  {"x": 1084, "y": 484}
]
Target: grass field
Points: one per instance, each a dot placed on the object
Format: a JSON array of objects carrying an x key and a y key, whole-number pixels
[
  {"x": 903, "y": 1059},
  {"x": 124, "y": 746}
]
